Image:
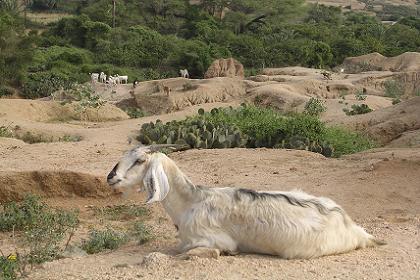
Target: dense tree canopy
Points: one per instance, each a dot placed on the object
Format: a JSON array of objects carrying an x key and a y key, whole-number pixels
[{"x": 155, "y": 38}]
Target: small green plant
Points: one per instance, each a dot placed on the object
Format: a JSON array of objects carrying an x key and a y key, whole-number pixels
[
  {"x": 396, "y": 101},
  {"x": 41, "y": 231},
  {"x": 6, "y": 131},
  {"x": 134, "y": 112},
  {"x": 122, "y": 212},
  {"x": 101, "y": 240},
  {"x": 9, "y": 267},
  {"x": 357, "y": 109},
  {"x": 141, "y": 233},
  {"x": 361, "y": 96},
  {"x": 315, "y": 107},
  {"x": 393, "y": 89}
]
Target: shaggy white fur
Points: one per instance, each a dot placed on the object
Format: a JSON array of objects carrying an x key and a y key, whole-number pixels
[{"x": 287, "y": 224}]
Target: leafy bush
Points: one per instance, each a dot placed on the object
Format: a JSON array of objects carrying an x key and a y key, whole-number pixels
[
  {"x": 42, "y": 84},
  {"x": 393, "y": 89},
  {"x": 43, "y": 230},
  {"x": 107, "y": 239},
  {"x": 9, "y": 267},
  {"x": 361, "y": 96},
  {"x": 347, "y": 142},
  {"x": 5, "y": 131},
  {"x": 315, "y": 107},
  {"x": 5, "y": 91},
  {"x": 141, "y": 233},
  {"x": 357, "y": 109},
  {"x": 247, "y": 126},
  {"x": 134, "y": 112},
  {"x": 396, "y": 101}
]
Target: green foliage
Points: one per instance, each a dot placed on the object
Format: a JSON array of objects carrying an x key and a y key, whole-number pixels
[
  {"x": 315, "y": 107},
  {"x": 141, "y": 233},
  {"x": 101, "y": 240},
  {"x": 42, "y": 231},
  {"x": 393, "y": 89},
  {"x": 6, "y": 131},
  {"x": 357, "y": 109},
  {"x": 9, "y": 267},
  {"x": 153, "y": 39},
  {"x": 15, "y": 48},
  {"x": 396, "y": 101},
  {"x": 347, "y": 142},
  {"x": 134, "y": 112},
  {"x": 247, "y": 126},
  {"x": 361, "y": 96}
]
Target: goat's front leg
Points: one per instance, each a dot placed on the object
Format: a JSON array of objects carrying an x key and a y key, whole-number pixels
[{"x": 201, "y": 252}]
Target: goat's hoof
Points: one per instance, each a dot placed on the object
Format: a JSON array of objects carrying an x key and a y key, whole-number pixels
[{"x": 203, "y": 252}]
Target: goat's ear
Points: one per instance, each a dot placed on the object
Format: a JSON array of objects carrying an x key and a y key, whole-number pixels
[{"x": 156, "y": 182}]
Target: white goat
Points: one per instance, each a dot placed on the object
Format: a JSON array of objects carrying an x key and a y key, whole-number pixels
[
  {"x": 94, "y": 77},
  {"x": 102, "y": 77},
  {"x": 122, "y": 79},
  {"x": 286, "y": 224},
  {"x": 184, "y": 73}
]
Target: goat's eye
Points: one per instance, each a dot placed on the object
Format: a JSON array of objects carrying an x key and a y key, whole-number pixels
[{"x": 139, "y": 161}]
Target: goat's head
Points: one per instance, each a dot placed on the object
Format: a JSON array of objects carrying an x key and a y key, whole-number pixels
[{"x": 143, "y": 167}]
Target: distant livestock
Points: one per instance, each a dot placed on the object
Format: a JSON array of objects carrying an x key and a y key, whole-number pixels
[{"x": 184, "y": 73}]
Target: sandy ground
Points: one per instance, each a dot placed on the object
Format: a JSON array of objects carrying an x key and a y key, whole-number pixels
[{"x": 380, "y": 189}]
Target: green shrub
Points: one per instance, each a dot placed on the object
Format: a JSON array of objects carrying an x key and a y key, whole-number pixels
[
  {"x": 395, "y": 101},
  {"x": 141, "y": 233},
  {"x": 347, "y": 142},
  {"x": 42, "y": 84},
  {"x": 247, "y": 126},
  {"x": 9, "y": 267},
  {"x": 134, "y": 112},
  {"x": 5, "y": 91},
  {"x": 5, "y": 131},
  {"x": 315, "y": 107},
  {"x": 393, "y": 89},
  {"x": 357, "y": 109},
  {"x": 43, "y": 229},
  {"x": 361, "y": 96},
  {"x": 107, "y": 239}
]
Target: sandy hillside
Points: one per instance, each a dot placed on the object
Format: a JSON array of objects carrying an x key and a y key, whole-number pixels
[{"x": 378, "y": 188}]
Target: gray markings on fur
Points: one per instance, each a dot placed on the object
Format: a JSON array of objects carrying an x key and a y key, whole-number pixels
[{"x": 254, "y": 195}]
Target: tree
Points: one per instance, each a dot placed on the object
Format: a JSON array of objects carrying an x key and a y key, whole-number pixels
[{"x": 15, "y": 49}]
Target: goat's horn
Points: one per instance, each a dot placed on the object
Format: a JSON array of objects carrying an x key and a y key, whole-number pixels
[{"x": 172, "y": 147}]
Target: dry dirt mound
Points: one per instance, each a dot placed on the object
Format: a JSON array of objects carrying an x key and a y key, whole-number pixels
[
  {"x": 225, "y": 68},
  {"x": 46, "y": 111},
  {"x": 194, "y": 93},
  {"x": 407, "y": 139},
  {"x": 389, "y": 123},
  {"x": 409, "y": 61},
  {"x": 16, "y": 184},
  {"x": 285, "y": 98}
]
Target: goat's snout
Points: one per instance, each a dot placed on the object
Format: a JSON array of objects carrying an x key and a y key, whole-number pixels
[{"x": 111, "y": 175}]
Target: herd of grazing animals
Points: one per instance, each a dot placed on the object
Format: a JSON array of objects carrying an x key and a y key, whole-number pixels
[{"x": 117, "y": 79}]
